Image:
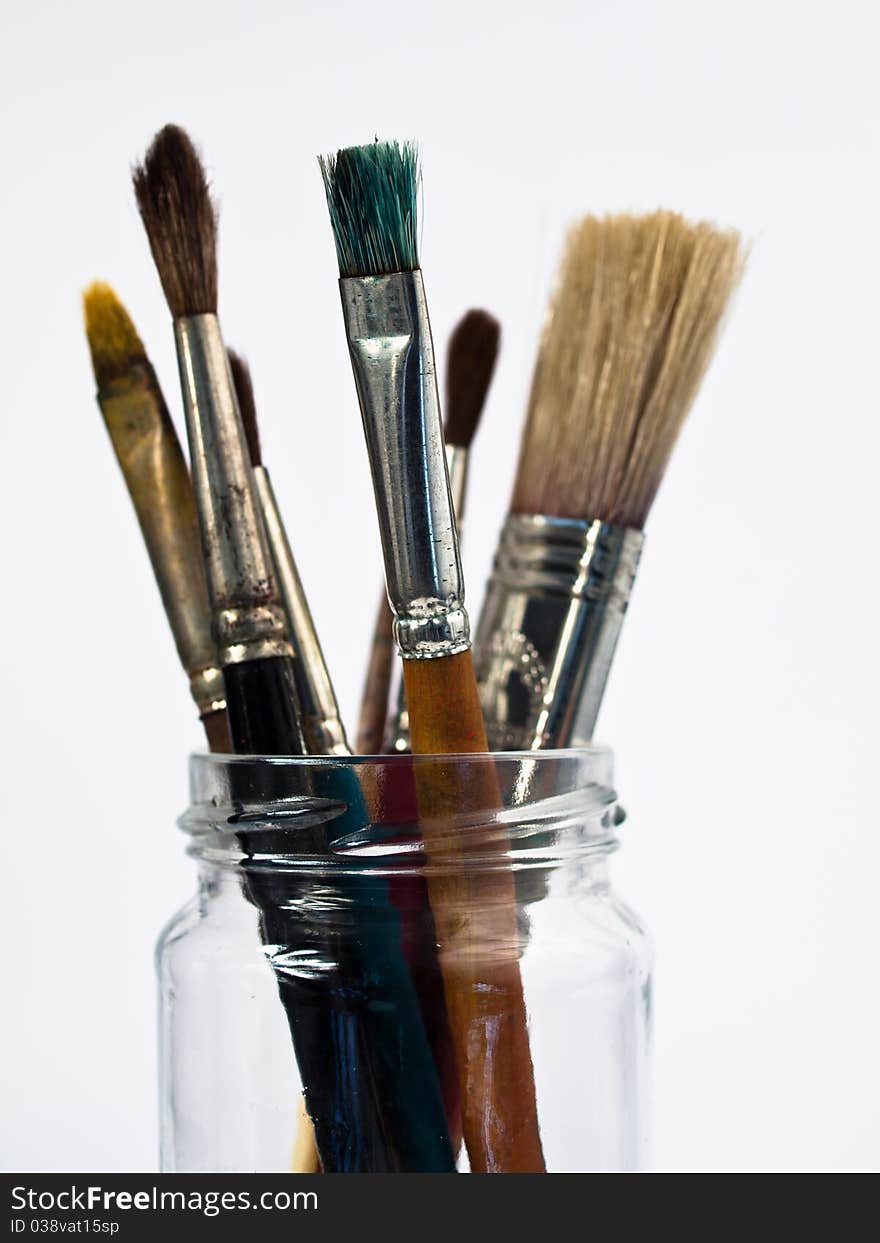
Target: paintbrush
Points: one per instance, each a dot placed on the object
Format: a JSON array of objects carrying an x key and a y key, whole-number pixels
[
  {"x": 631, "y": 329},
  {"x": 470, "y": 364},
  {"x": 371, "y": 196},
  {"x": 396, "y": 1047},
  {"x": 247, "y": 615},
  {"x": 157, "y": 478},
  {"x": 256, "y": 654},
  {"x": 323, "y": 730}
]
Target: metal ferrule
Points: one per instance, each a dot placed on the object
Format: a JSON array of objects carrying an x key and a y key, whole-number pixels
[
  {"x": 158, "y": 482},
  {"x": 554, "y": 607},
  {"x": 457, "y": 466},
  {"x": 207, "y": 689},
  {"x": 248, "y": 619},
  {"x": 389, "y": 339},
  {"x": 319, "y": 711},
  {"x": 397, "y": 736}
]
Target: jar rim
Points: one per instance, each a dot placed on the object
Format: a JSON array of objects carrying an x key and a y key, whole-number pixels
[
  {"x": 547, "y": 757},
  {"x": 365, "y": 811}
]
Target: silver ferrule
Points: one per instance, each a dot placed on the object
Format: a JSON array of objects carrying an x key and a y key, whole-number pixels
[
  {"x": 319, "y": 711},
  {"x": 389, "y": 339},
  {"x": 247, "y": 616},
  {"x": 397, "y": 740},
  {"x": 554, "y": 607}
]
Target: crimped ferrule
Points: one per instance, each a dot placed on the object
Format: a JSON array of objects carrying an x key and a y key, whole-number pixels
[
  {"x": 389, "y": 339},
  {"x": 554, "y": 607},
  {"x": 207, "y": 689},
  {"x": 248, "y": 619}
]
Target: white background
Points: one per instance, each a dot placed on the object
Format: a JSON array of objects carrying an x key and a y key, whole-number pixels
[{"x": 743, "y": 701}]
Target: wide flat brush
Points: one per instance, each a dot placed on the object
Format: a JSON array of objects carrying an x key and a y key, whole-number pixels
[
  {"x": 631, "y": 330},
  {"x": 250, "y": 631},
  {"x": 158, "y": 482},
  {"x": 396, "y": 1045},
  {"x": 371, "y": 196}
]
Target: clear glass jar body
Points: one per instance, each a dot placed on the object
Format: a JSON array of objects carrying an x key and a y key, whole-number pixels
[{"x": 285, "y": 847}]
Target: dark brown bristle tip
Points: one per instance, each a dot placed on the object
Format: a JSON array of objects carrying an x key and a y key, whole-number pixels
[
  {"x": 244, "y": 391},
  {"x": 180, "y": 218},
  {"x": 470, "y": 364}
]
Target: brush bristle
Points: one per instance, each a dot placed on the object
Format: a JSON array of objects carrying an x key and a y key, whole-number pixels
[
  {"x": 470, "y": 363},
  {"x": 113, "y": 340},
  {"x": 244, "y": 391},
  {"x": 631, "y": 330},
  {"x": 181, "y": 221},
  {"x": 372, "y": 198}
]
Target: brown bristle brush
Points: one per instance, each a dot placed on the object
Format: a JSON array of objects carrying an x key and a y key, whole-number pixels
[
  {"x": 158, "y": 481},
  {"x": 250, "y": 628},
  {"x": 631, "y": 329},
  {"x": 470, "y": 364},
  {"x": 372, "y": 199}
]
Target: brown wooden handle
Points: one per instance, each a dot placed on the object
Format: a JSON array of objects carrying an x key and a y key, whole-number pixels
[
  {"x": 475, "y": 917},
  {"x": 374, "y": 703},
  {"x": 216, "y": 726}
]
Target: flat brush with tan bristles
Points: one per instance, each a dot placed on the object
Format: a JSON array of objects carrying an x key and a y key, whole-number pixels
[
  {"x": 158, "y": 481},
  {"x": 631, "y": 330}
]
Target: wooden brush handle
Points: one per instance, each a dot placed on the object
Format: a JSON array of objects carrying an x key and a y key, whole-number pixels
[
  {"x": 474, "y": 906},
  {"x": 374, "y": 704},
  {"x": 216, "y": 727}
]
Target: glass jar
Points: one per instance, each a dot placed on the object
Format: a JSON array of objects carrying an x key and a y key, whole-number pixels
[{"x": 305, "y": 989}]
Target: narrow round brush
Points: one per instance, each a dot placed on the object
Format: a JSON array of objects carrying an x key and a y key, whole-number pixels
[
  {"x": 371, "y": 196},
  {"x": 256, "y": 654},
  {"x": 631, "y": 329},
  {"x": 470, "y": 364},
  {"x": 323, "y": 730},
  {"x": 179, "y": 216},
  {"x": 157, "y": 478}
]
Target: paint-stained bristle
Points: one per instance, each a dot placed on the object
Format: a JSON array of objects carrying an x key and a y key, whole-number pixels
[
  {"x": 181, "y": 221},
  {"x": 371, "y": 195},
  {"x": 631, "y": 330},
  {"x": 470, "y": 363},
  {"x": 113, "y": 340},
  {"x": 244, "y": 391}
]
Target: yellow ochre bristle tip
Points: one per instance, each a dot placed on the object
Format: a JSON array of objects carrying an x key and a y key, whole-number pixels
[{"x": 113, "y": 340}]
